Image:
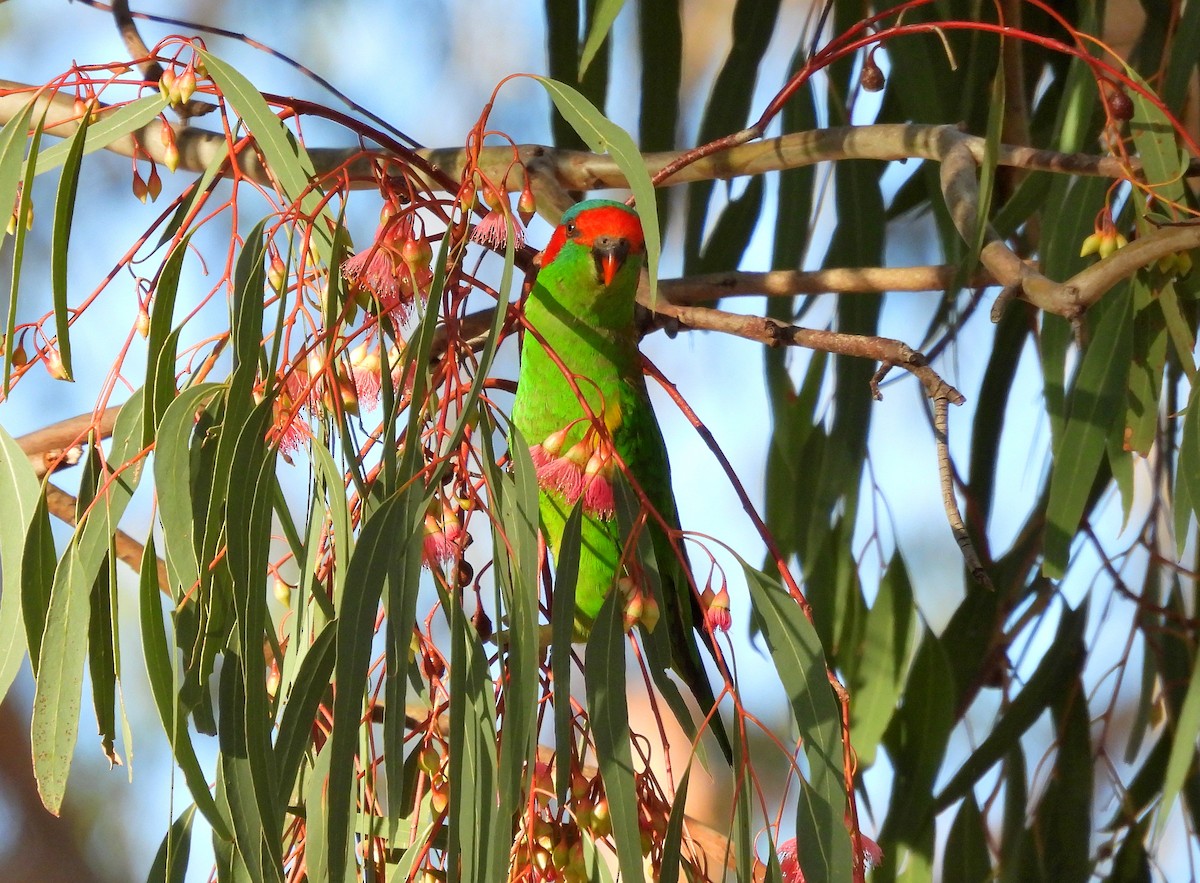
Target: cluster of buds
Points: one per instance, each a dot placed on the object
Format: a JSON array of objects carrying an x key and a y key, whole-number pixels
[
  {"x": 149, "y": 188},
  {"x": 394, "y": 269},
  {"x": 640, "y": 605},
  {"x": 179, "y": 88},
  {"x": 89, "y": 107},
  {"x": 653, "y": 814},
  {"x": 552, "y": 850},
  {"x": 716, "y": 608},
  {"x": 432, "y": 763},
  {"x": 589, "y": 805},
  {"x": 366, "y": 372},
  {"x": 1104, "y": 241}
]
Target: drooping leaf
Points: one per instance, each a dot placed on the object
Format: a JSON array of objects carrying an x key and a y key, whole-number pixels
[
  {"x": 1095, "y": 400},
  {"x": 603, "y": 16},
  {"x": 64, "y": 213},
  {"x": 64, "y": 645},
  {"x": 604, "y": 136},
  {"x": 19, "y": 499},
  {"x": 800, "y": 661},
  {"x": 604, "y": 681}
]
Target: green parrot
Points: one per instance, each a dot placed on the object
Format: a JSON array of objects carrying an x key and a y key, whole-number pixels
[{"x": 579, "y": 317}]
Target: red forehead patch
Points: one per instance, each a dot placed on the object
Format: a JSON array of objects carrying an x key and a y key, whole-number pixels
[{"x": 588, "y": 220}]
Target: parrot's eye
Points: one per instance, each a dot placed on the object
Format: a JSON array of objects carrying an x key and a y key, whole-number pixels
[{"x": 572, "y": 230}]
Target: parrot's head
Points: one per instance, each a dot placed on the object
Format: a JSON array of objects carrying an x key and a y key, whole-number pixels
[{"x": 605, "y": 233}]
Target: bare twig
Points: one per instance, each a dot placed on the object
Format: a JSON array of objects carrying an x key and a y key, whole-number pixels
[
  {"x": 949, "y": 500},
  {"x": 775, "y": 333}
]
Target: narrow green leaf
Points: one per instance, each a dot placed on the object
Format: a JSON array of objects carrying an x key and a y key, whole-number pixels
[
  {"x": 287, "y": 159},
  {"x": 1064, "y": 815},
  {"x": 661, "y": 43},
  {"x": 731, "y": 234},
  {"x": 12, "y": 151},
  {"x": 252, "y": 484},
  {"x": 19, "y": 499},
  {"x": 523, "y": 651},
  {"x": 400, "y": 599},
  {"x": 1183, "y": 750},
  {"x": 38, "y": 561},
  {"x": 173, "y": 481},
  {"x": 604, "y": 136},
  {"x": 800, "y": 661},
  {"x": 295, "y": 724},
  {"x": 1095, "y": 402},
  {"x": 602, "y": 19},
  {"x": 473, "y": 762},
  {"x": 604, "y": 681},
  {"x": 114, "y": 123},
  {"x": 562, "y": 623},
  {"x": 161, "y": 673},
  {"x": 1055, "y": 673},
  {"x": 916, "y": 743},
  {"x": 171, "y": 860},
  {"x": 1131, "y": 864},
  {"x": 887, "y": 644},
  {"x": 967, "y": 858},
  {"x": 64, "y": 214},
  {"x": 370, "y": 566},
  {"x": 673, "y": 838},
  {"x": 60, "y": 667},
  {"x": 235, "y": 775},
  {"x": 161, "y": 344},
  {"x": 21, "y": 217},
  {"x": 727, "y": 107},
  {"x": 102, "y": 661}
]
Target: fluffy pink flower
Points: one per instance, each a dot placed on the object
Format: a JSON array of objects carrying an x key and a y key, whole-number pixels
[
  {"x": 492, "y": 231},
  {"x": 289, "y": 429},
  {"x": 444, "y": 537},
  {"x": 789, "y": 862},
  {"x": 365, "y": 372},
  {"x": 388, "y": 269},
  {"x": 598, "y": 496}
]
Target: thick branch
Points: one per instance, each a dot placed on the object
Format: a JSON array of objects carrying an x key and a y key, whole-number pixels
[
  {"x": 579, "y": 170},
  {"x": 836, "y": 280},
  {"x": 771, "y": 332}
]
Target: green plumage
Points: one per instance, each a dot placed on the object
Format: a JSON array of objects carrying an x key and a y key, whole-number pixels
[{"x": 589, "y": 326}]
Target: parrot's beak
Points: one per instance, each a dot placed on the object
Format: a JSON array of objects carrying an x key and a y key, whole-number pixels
[{"x": 609, "y": 253}]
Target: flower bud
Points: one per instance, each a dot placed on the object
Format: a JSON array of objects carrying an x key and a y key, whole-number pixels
[
  {"x": 527, "y": 204},
  {"x": 166, "y": 85},
  {"x": 185, "y": 85},
  {"x": 154, "y": 183}
]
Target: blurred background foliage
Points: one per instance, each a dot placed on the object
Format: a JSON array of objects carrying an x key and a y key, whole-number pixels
[{"x": 1042, "y": 726}]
